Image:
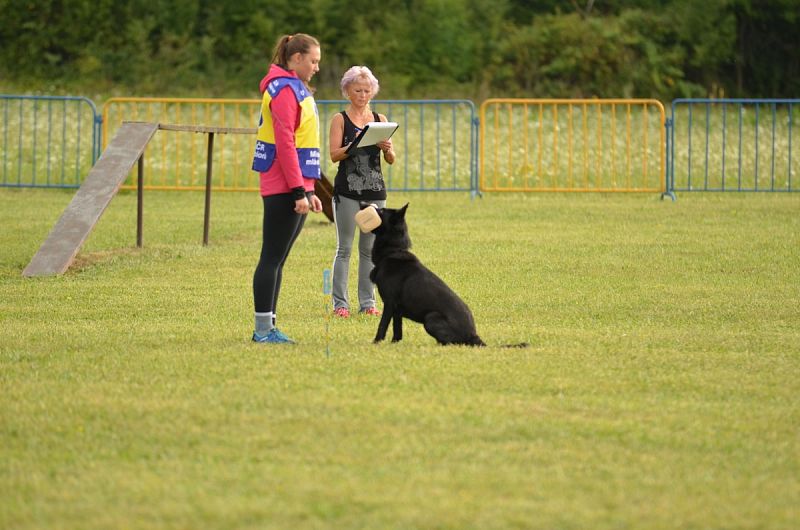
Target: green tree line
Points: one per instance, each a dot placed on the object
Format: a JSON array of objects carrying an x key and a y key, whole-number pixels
[{"x": 418, "y": 48}]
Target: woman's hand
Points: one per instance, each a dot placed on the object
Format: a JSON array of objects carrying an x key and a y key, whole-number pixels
[
  {"x": 385, "y": 145},
  {"x": 316, "y": 204},
  {"x": 301, "y": 206},
  {"x": 388, "y": 152}
]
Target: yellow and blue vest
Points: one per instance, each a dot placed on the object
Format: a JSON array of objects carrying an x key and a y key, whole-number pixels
[{"x": 306, "y": 135}]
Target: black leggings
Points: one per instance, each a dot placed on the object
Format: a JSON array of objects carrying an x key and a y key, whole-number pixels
[{"x": 281, "y": 227}]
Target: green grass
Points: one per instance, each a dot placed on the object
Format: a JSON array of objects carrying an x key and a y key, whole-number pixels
[{"x": 660, "y": 388}]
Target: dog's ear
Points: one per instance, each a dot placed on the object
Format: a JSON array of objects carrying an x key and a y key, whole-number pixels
[{"x": 402, "y": 211}]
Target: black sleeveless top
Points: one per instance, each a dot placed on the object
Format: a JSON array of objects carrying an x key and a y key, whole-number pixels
[{"x": 359, "y": 176}]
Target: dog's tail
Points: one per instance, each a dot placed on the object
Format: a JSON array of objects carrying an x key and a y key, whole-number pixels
[{"x": 477, "y": 341}]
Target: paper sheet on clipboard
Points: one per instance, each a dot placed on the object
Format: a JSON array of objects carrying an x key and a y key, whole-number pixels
[{"x": 372, "y": 133}]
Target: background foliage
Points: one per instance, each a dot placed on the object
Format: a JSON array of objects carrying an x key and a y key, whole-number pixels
[{"x": 418, "y": 48}]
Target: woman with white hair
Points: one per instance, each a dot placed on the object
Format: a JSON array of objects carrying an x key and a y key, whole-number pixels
[{"x": 359, "y": 179}]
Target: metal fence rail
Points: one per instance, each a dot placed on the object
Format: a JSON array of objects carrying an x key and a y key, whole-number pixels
[
  {"x": 436, "y": 143},
  {"x": 572, "y": 145},
  {"x": 734, "y": 145},
  {"x": 47, "y": 141},
  {"x": 521, "y": 144}
]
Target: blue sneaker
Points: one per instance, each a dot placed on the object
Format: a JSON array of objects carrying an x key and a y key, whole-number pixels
[
  {"x": 281, "y": 336},
  {"x": 275, "y": 336}
]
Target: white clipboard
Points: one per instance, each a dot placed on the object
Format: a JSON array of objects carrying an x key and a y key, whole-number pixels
[{"x": 372, "y": 133}]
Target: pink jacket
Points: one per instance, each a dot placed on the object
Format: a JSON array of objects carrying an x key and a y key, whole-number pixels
[{"x": 285, "y": 173}]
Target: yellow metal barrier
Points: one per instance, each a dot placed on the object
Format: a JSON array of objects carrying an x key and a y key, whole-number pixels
[
  {"x": 177, "y": 160},
  {"x": 572, "y": 145}
]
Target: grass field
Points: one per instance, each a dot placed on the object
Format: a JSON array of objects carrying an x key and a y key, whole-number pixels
[{"x": 660, "y": 388}]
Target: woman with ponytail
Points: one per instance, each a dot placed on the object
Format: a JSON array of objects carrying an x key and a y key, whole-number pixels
[{"x": 287, "y": 160}]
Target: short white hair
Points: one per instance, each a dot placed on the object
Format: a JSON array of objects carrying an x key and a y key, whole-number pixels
[{"x": 355, "y": 73}]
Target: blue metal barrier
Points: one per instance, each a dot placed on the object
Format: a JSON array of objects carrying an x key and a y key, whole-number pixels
[
  {"x": 47, "y": 141},
  {"x": 733, "y": 145}
]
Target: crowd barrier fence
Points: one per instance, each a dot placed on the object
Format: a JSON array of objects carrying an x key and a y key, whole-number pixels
[
  {"x": 575, "y": 145},
  {"x": 734, "y": 145},
  {"x": 47, "y": 141},
  {"x": 523, "y": 145}
]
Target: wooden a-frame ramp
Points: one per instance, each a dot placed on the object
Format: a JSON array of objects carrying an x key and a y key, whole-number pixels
[{"x": 101, "y": 184}]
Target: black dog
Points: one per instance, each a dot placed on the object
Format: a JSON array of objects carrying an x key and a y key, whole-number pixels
[{"x": 411, "y": 290}]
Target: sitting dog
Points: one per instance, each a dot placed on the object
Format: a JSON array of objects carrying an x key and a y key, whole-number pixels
[{"x": 411, "y": 290}]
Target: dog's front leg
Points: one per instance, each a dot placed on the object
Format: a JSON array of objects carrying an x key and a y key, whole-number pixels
[
  {"x": 397, "y": 327},
  {"x": 383, "y": 325}
]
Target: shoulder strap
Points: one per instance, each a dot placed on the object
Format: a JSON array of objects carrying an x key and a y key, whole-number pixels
[{"x": 297, "y": 86}]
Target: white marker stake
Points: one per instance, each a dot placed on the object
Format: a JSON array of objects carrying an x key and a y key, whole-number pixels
[{"x": 326, "y": 290}]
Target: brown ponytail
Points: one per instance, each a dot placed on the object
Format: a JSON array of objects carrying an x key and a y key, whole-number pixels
[{"x": 288, "y": 45}]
